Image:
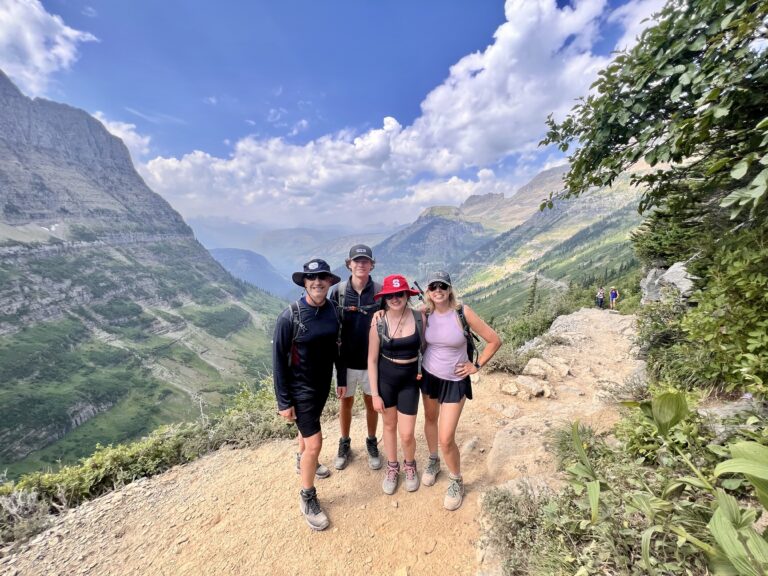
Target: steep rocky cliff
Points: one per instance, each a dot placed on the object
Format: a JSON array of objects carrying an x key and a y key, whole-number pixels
[{"x": 113, "y": 318}]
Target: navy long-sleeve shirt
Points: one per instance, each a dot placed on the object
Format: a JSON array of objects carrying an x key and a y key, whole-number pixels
[{"x": 309, "y": 371}]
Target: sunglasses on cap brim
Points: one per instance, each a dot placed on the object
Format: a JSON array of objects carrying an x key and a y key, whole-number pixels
[
  {"x": 438, "y": 286},
  {"x": 318, "y": 276}
]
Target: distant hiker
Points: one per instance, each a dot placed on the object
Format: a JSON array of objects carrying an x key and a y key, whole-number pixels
[
  {"x": 445, "y": 384},
  {"x": 394, "y": 346},
  {"x": 600, "y": 297},
  {"x": 355, "y": 298},
  {"x": 303, "y": 355},
  {"x": 614, "y": 295}
]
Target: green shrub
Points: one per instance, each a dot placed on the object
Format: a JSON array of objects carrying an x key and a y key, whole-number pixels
[{"x": 730, "y": 322}]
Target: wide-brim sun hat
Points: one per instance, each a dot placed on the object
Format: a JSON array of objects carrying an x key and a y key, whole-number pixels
[
  {"x": 440, "y": 276},
  {"x": 393, "y": 284},
  {"x": 315, "y": 266}
]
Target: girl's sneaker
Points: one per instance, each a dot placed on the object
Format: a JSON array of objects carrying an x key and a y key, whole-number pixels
[
  {"x": 389, "y": 484},
  {"x": 454, "y": 495},
  {"x": 411, "y": 476},
  {"x": 430, "y": 474}
]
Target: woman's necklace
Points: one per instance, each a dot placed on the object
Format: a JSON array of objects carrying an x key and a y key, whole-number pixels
[{"x": 397, "y": 328}]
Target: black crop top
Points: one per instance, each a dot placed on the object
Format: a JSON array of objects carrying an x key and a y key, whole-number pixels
[{"x": 404, "y": 348}]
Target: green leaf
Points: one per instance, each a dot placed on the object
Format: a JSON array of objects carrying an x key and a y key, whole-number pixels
[
  {"x": 763, "y": 124},
  {"x": 668, "y": 409},
  {"x": 692, "y": 481},
  {"x": 742, "y": 466},
  {"x": 593, "y": 493},
  {"x": 728, "y": 539},
  {"x": 721, "y": 111},
  {"x": 646, "y": 546},
  {"x": 740, "y": 169}
]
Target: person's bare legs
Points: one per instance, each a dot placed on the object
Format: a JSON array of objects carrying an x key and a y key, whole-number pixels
[
  {"x": 431, "y": 418},
  {"x": 389, "y": 484},
  {"x": 345, "y": 415},
  {"x": 449, "y": 420},
  {"x": 371, "y": 416}
]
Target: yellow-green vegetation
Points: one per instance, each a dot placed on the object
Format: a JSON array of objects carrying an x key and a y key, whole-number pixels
[
  {"x": 682, "y": 492},
  {"x": 25, "y": 504}
]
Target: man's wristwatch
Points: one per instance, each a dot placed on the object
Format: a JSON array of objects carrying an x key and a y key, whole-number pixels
[{"x": 477, "y": 364}]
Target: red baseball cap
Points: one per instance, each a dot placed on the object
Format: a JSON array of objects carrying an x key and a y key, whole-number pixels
[{"x": 393, "y": 284}]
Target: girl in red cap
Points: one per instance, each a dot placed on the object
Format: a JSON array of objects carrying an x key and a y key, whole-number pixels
[{"x": 394, "y": 346}]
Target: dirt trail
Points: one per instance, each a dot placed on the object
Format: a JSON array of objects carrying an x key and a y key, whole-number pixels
[{"x": 235, "y": 512}]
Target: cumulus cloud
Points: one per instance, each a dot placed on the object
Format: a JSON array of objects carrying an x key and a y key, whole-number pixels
[
  {"x": 35, "y": 44},
  {"x": 138, "y": 144},
  {"x": 632, "y": 16},
  {"x": 489, "y": 110}
]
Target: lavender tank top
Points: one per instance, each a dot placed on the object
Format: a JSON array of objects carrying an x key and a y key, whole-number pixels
[{"x": 446, "y": 345}]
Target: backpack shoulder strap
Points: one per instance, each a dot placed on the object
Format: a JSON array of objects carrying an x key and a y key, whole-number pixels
[
  {"x": 468, "y": 334},
  {"x": 341, "y": 292},
  {"x": 419, "y": 319}
]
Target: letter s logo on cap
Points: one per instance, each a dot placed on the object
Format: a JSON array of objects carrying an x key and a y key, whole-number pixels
[{"x": 396, "y": 282}]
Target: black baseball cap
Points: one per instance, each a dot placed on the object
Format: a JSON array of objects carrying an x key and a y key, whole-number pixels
[{"x": 361, "y": 251}]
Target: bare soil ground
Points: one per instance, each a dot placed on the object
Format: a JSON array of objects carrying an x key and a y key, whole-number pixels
[{"x": 235, "y": 512}]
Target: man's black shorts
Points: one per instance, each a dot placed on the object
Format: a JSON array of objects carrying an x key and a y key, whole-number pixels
[{"x": 308, "y": 412}]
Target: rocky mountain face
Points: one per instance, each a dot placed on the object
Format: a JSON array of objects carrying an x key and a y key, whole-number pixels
[
  {"x": 254, "y": 268},
  {"x": 113, "y": 318},
  {"x": 438, "y": 239}
]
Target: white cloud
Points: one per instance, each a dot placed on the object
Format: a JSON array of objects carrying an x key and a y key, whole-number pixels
[
  {"x": 35, "y": 44},
  {"x": 632, "y": 16},
  {"x": 490, "y": 110},
  {"x": 212, "y": 100},
  {"x": 137, "y": 144},
  {"x": 89, "y": 11}
]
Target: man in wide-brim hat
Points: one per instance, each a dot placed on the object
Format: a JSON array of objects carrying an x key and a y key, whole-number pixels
[{"x": 304, "y": 353}]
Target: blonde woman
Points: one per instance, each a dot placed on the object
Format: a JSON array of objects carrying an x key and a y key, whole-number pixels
[{"x": 445, "y": 385}]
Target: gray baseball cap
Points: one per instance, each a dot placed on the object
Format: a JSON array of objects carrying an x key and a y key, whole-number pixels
[{"x": 440, "y": 276}]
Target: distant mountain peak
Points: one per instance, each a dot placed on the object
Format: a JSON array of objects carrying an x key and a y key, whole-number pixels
[{"x": 440, "y": 212}]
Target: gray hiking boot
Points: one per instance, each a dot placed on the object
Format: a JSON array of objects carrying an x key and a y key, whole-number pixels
[
  {"x": 321, "y": 473},
  {"x": 342, "y": 457},
  {"x": 374, "y": 458},
  {"x": 311, "y": 510},
  {"x": 389, "y": 484},
  {"x": 411, "y": 476},
  {"x": 430, "y": 474},
  {"x": 454, "y": 495}
]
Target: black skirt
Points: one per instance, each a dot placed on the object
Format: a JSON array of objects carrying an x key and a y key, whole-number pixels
[{"x": 445, "y": 391}]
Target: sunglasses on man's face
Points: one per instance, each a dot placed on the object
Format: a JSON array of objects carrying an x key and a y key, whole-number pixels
[
  {"x": 437, "y": 286},
  {"x": 394, "y": 295},
  {"x": 319, "y": 276}
]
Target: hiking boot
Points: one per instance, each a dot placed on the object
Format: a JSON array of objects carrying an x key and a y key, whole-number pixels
[
  {"x": 374, "y": 459},
  {"x": 311, "y": 510},
  {"x": 454, "y": 495},
  {"x": 321, "y": 472},
  {"x": 430, "y": 474},
  {"x": 342, "y": 457},
  {"x": 389, "y": 484},
  {"x": 411, "y": 476}
]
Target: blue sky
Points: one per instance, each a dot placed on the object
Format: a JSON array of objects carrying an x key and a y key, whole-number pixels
[{"x": 294, "y": 112}]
